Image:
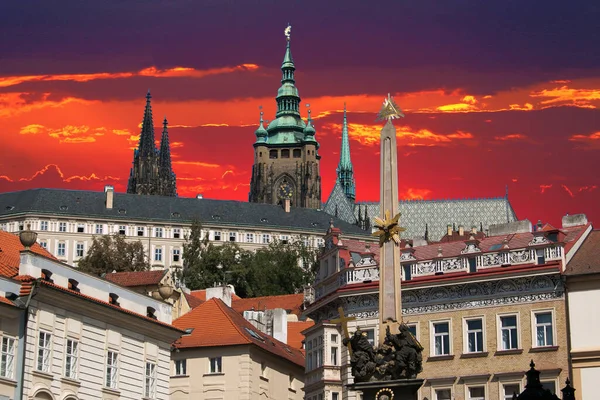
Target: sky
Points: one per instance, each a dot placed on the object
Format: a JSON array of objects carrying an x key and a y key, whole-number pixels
[{"x": 497, "y": 95}]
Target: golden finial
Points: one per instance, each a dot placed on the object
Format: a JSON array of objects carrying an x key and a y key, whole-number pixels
[{"x": 288, "y": 32}]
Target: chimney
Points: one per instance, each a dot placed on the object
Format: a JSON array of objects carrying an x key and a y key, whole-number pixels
[
  {"x": 449, "y": 230},
  {"x": 279, "y": 316},
  {"x": 473, "y": 229},
  {"x": 110, "y": 192},
  {"x": 220, "y": 292},
  {"x": 461, "y": 230},
  {"x": 286, "y": 205},
  {"x": 574, "y": 220}
]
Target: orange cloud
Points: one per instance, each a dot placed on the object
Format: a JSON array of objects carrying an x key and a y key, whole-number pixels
[
  {"x": 32, "y": 129},
  {"x": 517, "y": 107},
  {"x": 543, "y": 188},
  {"x": 567, "y": 96},
  {"x": 587, "y": 188},
  {"x": 512, "y": 136},
  {"x": 121, "y": 132},
  {"x": 8, "y": 81},
  {"x": 592, "y": 140},
  {"x": 12, "y": 104},
  {"x": 55, "y": 168},
  {"x": 66, "y": 134},
  {"x": 416, "y": 194}
]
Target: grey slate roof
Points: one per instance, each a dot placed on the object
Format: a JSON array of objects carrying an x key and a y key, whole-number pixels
[
  {"x": 132, "y": 207},
  {"x": 339, "y": 205}
]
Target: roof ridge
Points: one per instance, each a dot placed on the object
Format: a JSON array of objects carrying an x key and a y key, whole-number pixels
[{"x": 225, "y": 312}]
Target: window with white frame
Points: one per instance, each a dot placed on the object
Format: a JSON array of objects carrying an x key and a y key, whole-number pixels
[
  {"x": 443, "y": 394},
  {"x": 217, "y": 236},
  {"x": 158, "y": 254},
  {"x": 158, "y": 232},
  {"x": 309, "y": 358},
  {"x": 474, "y": 328},
  {"x": 140, "y": 231},
  {"x": 61, "y": 249},
  {"x": 232, "y": 236},
  {"x": 320, "y": 242},
  {"x": 43, "y": 225},
  {"x": 112, "y": 370},
  {"x": 122, "y": 230},
  {"x": 176, "y": 233},
  {"x": 508, "y": 389},
  {"x": 7, "y": 358},
  {"x": 412, "y": 328},
  {"x": 150, "y": 381},
  {"x": 441, "y": 338},
  {"x": 305, "y": 241},
  {"x": 370, "y": 333},
  {"x": 249, "y": 237},
  {"x": 176, "y": 255},
  {"x": 99, "y": 229},
  {"x": 509, "y": 339},
  {"x": 216, "y": 366},
  {"x": 79, "y": 250},
  {"x": 476, "y": 393},
  {"x": 266, "y": 238},
  {"x": 62, "y": 226},
  {"x": 549, "y": 385},
  {"x": 44, "y": 350},
  {"x": 71, "y": 357},
  {"x": 284, "y": 239},
  {"x": 44, "y": 244},
  {"x": 334, "y": 350},
  {"x": 180, "y": 367},
  {"x": 544, "y": 328},
  {"x": 80, "y": 228},
  {"x": 335, "y": 396}
]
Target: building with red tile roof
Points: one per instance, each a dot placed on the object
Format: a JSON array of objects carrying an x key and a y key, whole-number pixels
[
  {"x": 225, "y": 354},
  {"x": 497, "y": 299},
  {"x": 61, "y": 308},
  {"x": 583, "y": 294},
  {"x": 291, "y": 303}
]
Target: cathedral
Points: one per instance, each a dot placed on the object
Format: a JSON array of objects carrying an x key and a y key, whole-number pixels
[
  {"x": 286, "y": 158},
  {"x": 152, "y": 173}
]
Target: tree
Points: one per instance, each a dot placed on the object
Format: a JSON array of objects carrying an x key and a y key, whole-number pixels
[{"x": 110, "y": 253}]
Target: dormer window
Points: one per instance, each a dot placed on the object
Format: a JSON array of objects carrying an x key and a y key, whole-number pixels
[
  {"x": 47, "y": 276},
  {"x": 113, "y": 299},
  {"x": 74, "y": 285},
  {"x": 151, "y": 313}
]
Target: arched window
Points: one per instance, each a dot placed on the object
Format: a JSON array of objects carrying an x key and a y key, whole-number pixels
[
  {"x": 297, "y": 153},
  {"x": 285, "y": 153},
  {"x": 272, "y": 154}
]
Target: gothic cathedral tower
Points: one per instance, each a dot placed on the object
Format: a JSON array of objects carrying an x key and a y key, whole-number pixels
[{"x": 286, "y": 159}]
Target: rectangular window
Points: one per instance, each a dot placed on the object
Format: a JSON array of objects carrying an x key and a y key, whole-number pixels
[
  {"x": 7, "y": 358},
  {"x": 510, "y": 389},
  {"x": 412, "y": 328},
  {"x": 122, "y": 230},
  {"x": 158, "y": 232},
  {"x": 508, "y": 332},
  {"x": 112, "y": 370},
  {"x": 232, "y": 236},
  {"x": 249, "y": 237},
  {"x": 441, "y": 338},
  {"x": 150, "y": 381},
  {"x": 541, "y": 258},
  {"x": 43, "y": 355},
  {"x": 443, "y": 394},
  {"x": 44, "y": 244},
  {"x": 474, "y": 335},
  {"x": 284, "y": 239},
  {"x": 285, "y": 153},
  {"x": 43, "y": 225},
  {"x": 176, "y": 255},
  {"x": 60, "y": 251},
  {"x": 549, "y": 385},
  {"x": 370, "y": 336},
  {"x": 266, "y": 238},
  {"x": 407, "y": 269},
  {"x": 217, "y": 236},
  {"x": 158, "y": 254},
  {"x": 99, "y": 229},
  {"x": 543, "y": 329},
  {"x": 477, "y": 393},
  {"x": 79, "y": 250},
  {"x": 215, "y": 365},
  {"x": 180, "y": 367},
  {"x": 62, "y": 226},
  {"x": 140, "y": 231},
  {"x": 335, "y": 396},
  {"x": 334, "y": 355},
  {"x": 176, "y": 233},
  {"x": 297, "y": 153},
  {"x": 80, "y": 228},
  {"x": 472, "y": 264},
  {"x": 320, "y": 242},
  {"x": 72, "y": 354}
]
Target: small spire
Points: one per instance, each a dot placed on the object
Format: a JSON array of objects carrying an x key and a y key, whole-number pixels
[
  {"x": 345, "y": 169},
  {"x": 146, "y": 146},
  {"x": 261, "y": 133}
]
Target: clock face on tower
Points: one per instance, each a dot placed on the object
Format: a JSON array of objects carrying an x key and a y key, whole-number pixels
[{"x": 285, "y": 191}]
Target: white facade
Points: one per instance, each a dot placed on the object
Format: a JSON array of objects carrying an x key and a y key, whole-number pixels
[{"x": 79, "y": 346}]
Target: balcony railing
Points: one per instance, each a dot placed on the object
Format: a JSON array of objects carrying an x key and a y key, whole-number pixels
[{"x": 345, "y": 277}]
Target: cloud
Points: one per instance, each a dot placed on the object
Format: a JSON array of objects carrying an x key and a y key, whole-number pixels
[
  {"x": 12, "y": 104},
  {"x": 32, "y": 129},
  {"x": 121, "y": 132},
  {"x": 198, "y": 164},
  {"x": 567, "y": 190},
  {"x": 591, "y": 141},
  {"x": 511, "y": 137},
  {"x": 568, "y": 96},
  {"x": 415, "y": 194},
  {"x": 587, "y": 188},
  {"x": 543, "y": 188}
]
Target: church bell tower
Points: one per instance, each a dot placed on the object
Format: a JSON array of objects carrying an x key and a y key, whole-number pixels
[{"x": 286, "y": 158}]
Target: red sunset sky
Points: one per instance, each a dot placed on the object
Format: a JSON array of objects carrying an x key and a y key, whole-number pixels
[{"x": 495, "y": 94}]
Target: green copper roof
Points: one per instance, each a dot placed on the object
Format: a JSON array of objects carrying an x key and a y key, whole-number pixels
[
  {"x": 345, "y": 171},
  {"x": 288, "y": 61}
]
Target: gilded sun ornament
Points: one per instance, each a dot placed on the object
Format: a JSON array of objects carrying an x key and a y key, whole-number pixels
[
  {"x": 389, "y": 110},
  {"x": 388, "y": 228}
]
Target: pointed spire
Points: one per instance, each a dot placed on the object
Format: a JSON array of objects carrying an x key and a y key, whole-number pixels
[
  {"x": 165, "y": 149},
  {"x": 288, "y": 99},
  {"x": 146, "y": 147},
  {"x": 168, "y": 182},
  {"x": 261, "y": 133},
  {"x": 345, "y": 171}
]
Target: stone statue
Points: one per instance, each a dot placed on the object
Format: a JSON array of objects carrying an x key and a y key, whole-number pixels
[{"x": 398, "y": 357}]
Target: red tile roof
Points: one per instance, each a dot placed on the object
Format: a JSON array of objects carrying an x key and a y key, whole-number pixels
[
  {"x": 587, "y": 258},
  {"x": 292, "y": 303},
  {"x": 4, "y": 300},
  {"x": 193, "y": 301},
  {"x": 216, "y": 324},
  {"x": 10, "y": 258},
  {"x": 136, "y": 278},
  {"x": 294, "y": 332}
]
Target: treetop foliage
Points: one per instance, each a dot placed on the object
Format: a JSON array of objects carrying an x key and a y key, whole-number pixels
[{"x": 110, "y": 253}]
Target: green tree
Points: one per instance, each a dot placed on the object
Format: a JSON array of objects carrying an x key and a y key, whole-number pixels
[{"x": 110, "y": 253}]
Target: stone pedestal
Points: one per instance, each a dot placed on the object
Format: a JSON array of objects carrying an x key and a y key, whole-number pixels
[{"x": 401, "y": 389}]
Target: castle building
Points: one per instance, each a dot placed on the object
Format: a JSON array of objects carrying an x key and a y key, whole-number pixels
[
  {"x": 152, "y": 172},
  {"x": 286, "y": 158},
  {"x": 480, "y": 307},
  {"x": 425, "y": 219}
]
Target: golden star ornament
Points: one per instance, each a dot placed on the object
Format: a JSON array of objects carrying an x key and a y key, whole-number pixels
[{"x": 388, "y": 228}]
